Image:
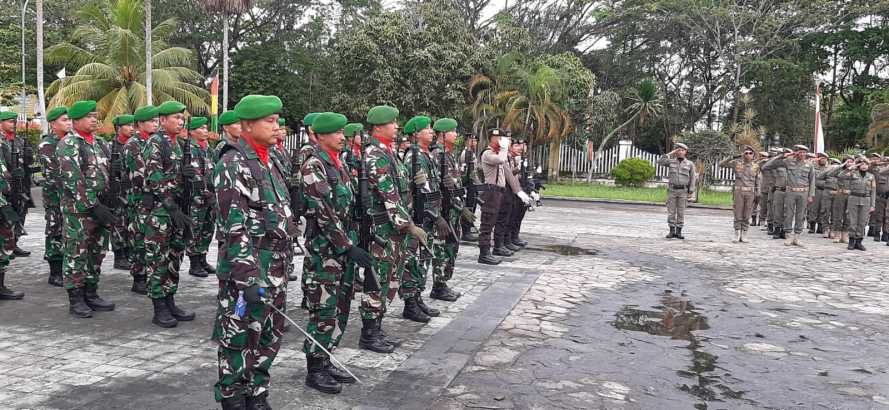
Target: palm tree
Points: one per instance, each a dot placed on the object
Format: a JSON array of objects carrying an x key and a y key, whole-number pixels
[
  {"x": 108, "y": 50},
  {"x": 226, "y": 8},
  {"x": 647, "y": 104}
]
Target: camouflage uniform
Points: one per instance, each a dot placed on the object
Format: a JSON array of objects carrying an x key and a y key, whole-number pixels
[
  {"x": 120, "y": 241},
  {"x": 7, "y": 245},
  {"x": 83, "y": 167},
  {"x": 446, "y": 254},
  {"x": 418, "y": 261},
  {"x": 137, "y": 212},
  {"x": 202, "y": 212},
  {"x": 390, "y": 204},
  {"x": 257, "y": 227},
  {"x": 9, "y": 143},
  {"x": 164, "y": 244},
  {"x": 52, "y": 197}
]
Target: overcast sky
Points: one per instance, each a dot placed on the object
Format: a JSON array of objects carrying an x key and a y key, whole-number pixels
[{"x": 493, "y": 7}]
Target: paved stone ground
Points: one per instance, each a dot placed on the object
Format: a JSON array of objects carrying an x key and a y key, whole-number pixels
[{"x": 599, "y": 312}]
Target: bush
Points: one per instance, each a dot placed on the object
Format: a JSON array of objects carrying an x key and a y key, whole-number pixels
[{"x": 633, "y": 172}]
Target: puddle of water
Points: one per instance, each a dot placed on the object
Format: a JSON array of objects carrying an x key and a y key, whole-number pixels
[{"x": 565, "y": 250}]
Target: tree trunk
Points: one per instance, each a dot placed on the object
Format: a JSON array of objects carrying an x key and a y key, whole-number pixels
[
  {"x": 598, "y": 155},
  {"x": 553, "y": 161},
  {"x": 41, "y": 103},
  {"x": 148, "y": 65},
  {"x": 225, "y": 62}
]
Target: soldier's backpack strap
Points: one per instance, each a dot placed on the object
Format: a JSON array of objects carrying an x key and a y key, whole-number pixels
[
  {"x": 166, "y": 151},
  {"x": 83, "y": 155}
]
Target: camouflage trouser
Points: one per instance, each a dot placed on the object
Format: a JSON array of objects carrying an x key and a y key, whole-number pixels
[
  {"x": 824, "y": 208},
  {"x": 135, "y": 226},
  {"x": 413, "y": 281},
  {"x": 388, "y": 261},
  {"x": 203, "y": 226},
  {"x": 164, "y": 246},
  {"x": 446, "y": 254},
  {"x": 247, "y": 346},
  {"x": 85, "y": 244},
  {"x": 6, "y": 244},
  {"x": 325, "y": 275},
  {"x": 839, "y": 221},
  {"x": 52, "y": 250},
  {"x": 119, "y": 236}
]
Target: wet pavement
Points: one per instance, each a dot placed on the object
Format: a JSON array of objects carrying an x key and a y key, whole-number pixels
[{"x": 598, "y": 312}]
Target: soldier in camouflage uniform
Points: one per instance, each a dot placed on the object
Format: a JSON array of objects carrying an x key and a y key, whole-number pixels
[
  {"x": 202, "y": 213},
  {"x": 231, "y": 128},
  {"x": 84, "y": 171},
  {"x": 8, "y": 219},
  {"x": 280, "y": 154},
  {"x": 146, "y": 125},
  {"x": 166, "y": 226},
  {"x": 257, "y": 227},
  {"x": 60, "y": 126},
  {"x": 390, "y": 208},
  {"x": 453, "y": 210},
  {"x": 330, "y": 247},
  {"x": 468, "y": 161},
  {"x": 8, "y": 143},
  {"x": 120, "y": 240}
]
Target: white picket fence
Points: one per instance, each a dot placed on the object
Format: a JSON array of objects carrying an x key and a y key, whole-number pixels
[{"x": 577, "y": 163}]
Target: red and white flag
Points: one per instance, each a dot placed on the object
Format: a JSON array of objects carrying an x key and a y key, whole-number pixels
[{"x": 819, "y": 131}]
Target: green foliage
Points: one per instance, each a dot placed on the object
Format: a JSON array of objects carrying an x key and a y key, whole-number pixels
[
  {"x": 618, "y": 193},
  {"x": 633, "y": 172}
]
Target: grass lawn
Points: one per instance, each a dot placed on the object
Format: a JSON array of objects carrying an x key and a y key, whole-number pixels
[{"x": 597, "y": 191}]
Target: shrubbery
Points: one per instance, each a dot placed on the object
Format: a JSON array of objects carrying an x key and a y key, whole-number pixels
[{"x": 633, "y": 172}]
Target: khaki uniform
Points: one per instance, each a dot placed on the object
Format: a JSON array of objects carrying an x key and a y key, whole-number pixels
[
  {"x": 680, "y": 184},
  {"x": 779, "y": 191},
  {"x": 814, "y": 208},
  {"x": 765, "y": 194},
  {"x": 747, "y": 180},
  {"x": 839, "y": 222},
  {"x": 862, "y": 195},
  {"x": 879, "y": 221},
  {"x": 800, "y": 187},
  {"x": 829, "y": 188}
]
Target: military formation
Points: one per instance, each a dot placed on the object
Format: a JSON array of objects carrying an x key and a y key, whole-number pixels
[{"x": 382, "y": 210}]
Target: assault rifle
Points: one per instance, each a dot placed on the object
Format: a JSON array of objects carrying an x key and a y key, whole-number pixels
[
  {"x": 115, "y": 187},
  {"x": 17, "y": 198},
  {"x": 450, "y": 196},
  {"x": 187, "y": 187},
  {"x": 297, "y": 204},
  {"x": 362, "y": 209}
]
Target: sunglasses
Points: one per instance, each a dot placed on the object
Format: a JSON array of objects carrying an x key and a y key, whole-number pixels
[{"x": 748, "y": 153}]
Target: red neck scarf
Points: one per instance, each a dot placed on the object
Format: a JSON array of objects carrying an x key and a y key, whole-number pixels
[
  {"x": 87, "y": 136},
  {"x": 385, "y": 141},
  {"x": 424, "y": 149},
  {"x": 123, "y": 138},
  {"x": 334, "y": 156},
  {"x": 495, "y": 149},
  {"x": 203, "y": 144},
  {"x": 10, "y": 135},
  {"x": 261, "y": 151},
  {"x": 60, "y": 134},
  {"x": 448, "y": 146},
  {"x": 145, "y": 136}
]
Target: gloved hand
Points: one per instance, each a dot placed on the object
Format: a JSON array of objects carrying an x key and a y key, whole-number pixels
[
  {"x": 188, "y": 172},
  {"x": 421, "y": 178},
  {"x": 419, "y": 234},
  {"x": 535, "y": 196},
  {"x": 9, "y": 214},
  {"x": 253, "y": 295},
  {"x": 468, "y": 215},
  {"x": 360, "y": 256},
  {"x": 524, "y": 197},
  {"x": 504, "y": 142},
  {"x": 103, "y": 215},
  {"x": 177, "y": 218}
]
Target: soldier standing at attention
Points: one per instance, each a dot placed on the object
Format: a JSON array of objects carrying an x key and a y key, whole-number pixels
[
  {"x": 765, "y": 195},
  {"x": 830, "y": 190},
  {"x": 8, "y": 142},
  {"x": 330, "y": 196},
  {"x": 862, "y": 193},
  {"x": 839, "y": 219},
  {"x": 146, "y": 126},
  {"x": 231, "y": 128},
  {"x": 492, "y": 163},
  {"x": 454, "y": 212},
  {"x": 83, "y": 166},
  {"x": 120, "y": 238},
  {"x": 519, "y": 163},
  {"x": 257, "y": 230},
  {"x": 780, "y": 192},
  {"x": 167, "y": 224},
  {"x": 821, "y": 167},
  {"x": 308, "y": 149},
  {"x": 390, "y": 207},
  {"x": 8, "y": 219},
  {"x": 469, "y": 175},
  {"x": 878, "y": 220},
  {"x": 800, "y": 190},
  {"x": 747, "y": 180},
  {"x": 60, "y": 126},
  {"x": 203, "y": 200},
  {"x": 680, "y": 187}
]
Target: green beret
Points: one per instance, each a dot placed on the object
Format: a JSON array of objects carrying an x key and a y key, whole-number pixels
[
  {"x": 409, "y": 127},
  {"x": 81, "y": 109},
  {"x": 56, "y": 112},
  {"x": 7, "y": 115},
  {"x": 197, "y": 122},
  {"x": 445, "y": 125},
  {"x": 421, "y": 122},
  {"x": 353, "y": 128},
  {"x": 170, "y": 108},
  {"x": 310, "y": 118},
  {"x": 123, "y": 120},
  {"x": 381, "y": 115},
  {"x": 145, "y": 113},
  {"x": 228, "y": 118},
  {"x": 282, "y": 121},
  {"x": 329, "y": 122},
  {"x": 254, "y": 107}
]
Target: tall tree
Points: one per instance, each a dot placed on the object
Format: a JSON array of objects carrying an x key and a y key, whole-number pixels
[
  {"x": 39, "y": 46},
  {"x": 226, "y": 9},
  {"x": 149, "y": 68}
]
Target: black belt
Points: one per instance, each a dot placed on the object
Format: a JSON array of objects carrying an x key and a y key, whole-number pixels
[
  {"x": 431, "y": 196},
  {"x": 490, "y": 187},
  {"x": 779, "y": 189},
  {"x": 273, "y": 244},
  {"x": 679, "y": 186},
  {"x": 380, "y": 218},
  {"x": 867, "y": 195}
]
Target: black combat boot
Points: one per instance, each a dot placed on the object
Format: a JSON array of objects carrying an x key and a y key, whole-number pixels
[
  {"x": 196, "y": 268},
  {"x": 468, "y": 236},
  {"x": 859, "y": 245},
  {"x": 870, "y": 231},
  {"x": 55, "y": 274},
  {"x": 20, "y": 253},
  {"x": 7, "y": 293},
  {"x": 884, "y": 237},
  {"x": 678, "y": 234},
  {"x": 76, "y": 305},
  {"x": 210, "y": 269},
  {"x": 877, "y": 234},
  {"x": 851, "y": 244},
  {"x": 234, "y": 403},
  {"x": 260, "y": 402},
  {"x": 485, "y": 257},
  {"x": 319, "y": 379},
  {"x": 392, "y": 340},
  {"x": 770, "y": 229},
  {"x": 672, "y": 233},
  {"x": 120, "y": 260},
  {"x": 819, "y": 228},
  {"x": 94, "y": 301},
  {"x": 811, "y": 227},
  {"x": 431, "y": 312},
  {"x": 413, "y": 312},
  {"x": 754, "y": 220},
  {"x": 338, "y": 374},
  {"x": 779, "y": 233},
  {"x": 179, "y": 314},
  {"x": 162, "y": 316},
  {"x": 140, "y": 285},
  {"x": 372, "y": 337},
  {"x": 441, "y": 291},
  {"x": 501, "y": 250},
  {"x": 512, "y": 247},
  {"x": 518, "y": 241}
]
